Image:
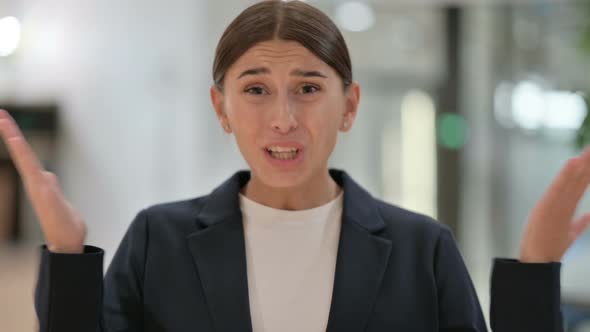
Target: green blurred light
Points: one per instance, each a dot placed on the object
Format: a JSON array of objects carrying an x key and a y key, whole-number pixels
[
  {"x": 452, "y": 131},
  {"x": 583, "y": 134}
]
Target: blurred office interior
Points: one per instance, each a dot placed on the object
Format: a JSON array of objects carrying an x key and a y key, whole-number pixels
[{"x": 468, "y": 110}]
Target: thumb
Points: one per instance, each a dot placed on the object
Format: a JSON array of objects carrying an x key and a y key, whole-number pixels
[{"x": 579, "y": 226}]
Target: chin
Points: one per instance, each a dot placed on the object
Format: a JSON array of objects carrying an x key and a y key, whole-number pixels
[{"x": 282, "y": 178}]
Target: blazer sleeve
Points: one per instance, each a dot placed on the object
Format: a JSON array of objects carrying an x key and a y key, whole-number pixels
[
  {"x": 68, "y": 293},
  {"x": 71, "y": 294},
  {"x": 525, "y": 296},
  {"x": 459, "y": 307}
]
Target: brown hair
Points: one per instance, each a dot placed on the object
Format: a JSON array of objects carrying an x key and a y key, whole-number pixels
[{"x": 283, "y": 20}]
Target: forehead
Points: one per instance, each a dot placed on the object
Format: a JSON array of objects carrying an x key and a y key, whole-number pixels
[{"x": 276, "y": 54}]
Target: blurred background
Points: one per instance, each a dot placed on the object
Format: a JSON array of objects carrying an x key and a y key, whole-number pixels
[{"x": 468, "y": 110}]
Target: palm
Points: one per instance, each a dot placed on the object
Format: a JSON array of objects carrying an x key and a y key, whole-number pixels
[
  {"x": 552, "y": 228},
  {"x": 62, "y": 226}
]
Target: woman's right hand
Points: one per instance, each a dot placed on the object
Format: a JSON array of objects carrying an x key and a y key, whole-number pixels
[{"x": 62, "y": 225}]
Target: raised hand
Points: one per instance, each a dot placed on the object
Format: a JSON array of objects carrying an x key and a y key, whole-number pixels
[
  {"x": 552, "y": 228},
  {"x": 63, "y": 228}
]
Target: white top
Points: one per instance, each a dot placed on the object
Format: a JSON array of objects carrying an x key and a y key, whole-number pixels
[{"x": 291, "y": 260}]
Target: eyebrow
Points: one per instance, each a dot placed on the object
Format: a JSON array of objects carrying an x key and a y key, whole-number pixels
[{"x": 296, "y": 72}]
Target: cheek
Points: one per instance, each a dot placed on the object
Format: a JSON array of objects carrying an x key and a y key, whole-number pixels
[
  {"x": 242, "y": 116},
  {"x": 327, "y": 116},
  {"x": 323, "y": 127},
  {"x": 246, "y": 125}
]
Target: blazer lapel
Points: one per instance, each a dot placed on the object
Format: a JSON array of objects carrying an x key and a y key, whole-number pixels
[
  {"x": 361, "y": 261},
  {"x": 218, "y": 250}
]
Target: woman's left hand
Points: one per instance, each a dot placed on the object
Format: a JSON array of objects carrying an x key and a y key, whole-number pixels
[{"x": 552, "y": 228}]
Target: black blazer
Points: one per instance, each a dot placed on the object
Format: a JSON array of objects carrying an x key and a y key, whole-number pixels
[{"x": 181, "y": 266}]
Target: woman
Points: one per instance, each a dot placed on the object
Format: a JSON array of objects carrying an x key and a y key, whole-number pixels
[{"x": 289, "y": 245}]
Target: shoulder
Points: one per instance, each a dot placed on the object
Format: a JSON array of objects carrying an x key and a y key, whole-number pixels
[
  {"x": 405, "y": 225},
  {"x": 179, "y": 208},
  {"x": 417, "y": 239},
  {"x": 169, "y": 216}
]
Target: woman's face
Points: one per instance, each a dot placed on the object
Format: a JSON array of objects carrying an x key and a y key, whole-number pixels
[{"x": 285, "y": 107}]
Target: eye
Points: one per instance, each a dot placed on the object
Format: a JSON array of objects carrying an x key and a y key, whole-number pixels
[
  {"x": 254, "y": 90},
  {"x": 309, "y": 89}
]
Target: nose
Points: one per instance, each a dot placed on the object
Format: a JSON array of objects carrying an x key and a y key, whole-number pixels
[{"x": 283, "y": 118}]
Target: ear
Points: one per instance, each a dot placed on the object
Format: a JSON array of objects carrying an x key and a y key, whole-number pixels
[
  {"x": 353, "y": 95},
  {"x": 217, "y": 101}
]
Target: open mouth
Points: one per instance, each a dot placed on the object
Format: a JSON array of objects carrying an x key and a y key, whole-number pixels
[{"x": 285, "y": 154}]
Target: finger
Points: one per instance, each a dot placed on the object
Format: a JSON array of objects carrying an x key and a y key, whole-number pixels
[
  {"x": 565, "y": 192},
  {"x": 51, "y": 178},
  {"x": 586, "y": 153},
  {"x": 568, "y": 178},
  {"x": 20, "y": 151},
  {"x": 579, "y": 226}
]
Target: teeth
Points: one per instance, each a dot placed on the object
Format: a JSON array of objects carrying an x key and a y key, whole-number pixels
[
  {"x": 284, "y": 155},
  {"x": 281, "y": 149}
]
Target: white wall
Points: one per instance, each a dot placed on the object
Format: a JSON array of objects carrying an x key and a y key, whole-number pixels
[{"x": 132, "y": 79}]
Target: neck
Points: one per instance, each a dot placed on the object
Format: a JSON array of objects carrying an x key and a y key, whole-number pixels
[{"x": 317, "y": 191}]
